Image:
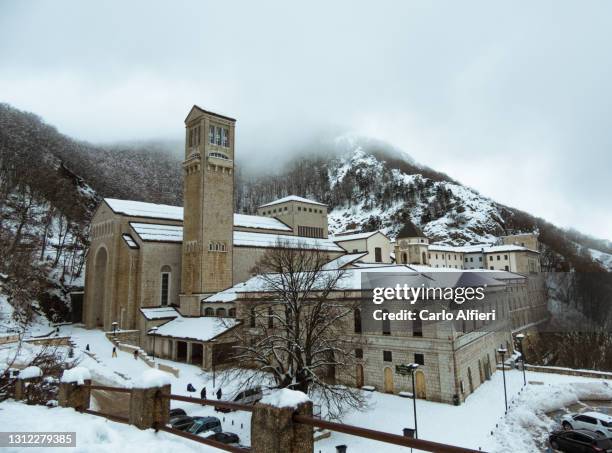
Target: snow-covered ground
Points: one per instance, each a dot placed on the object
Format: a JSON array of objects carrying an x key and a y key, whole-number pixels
[
  {"x": 473, "y": 424},
  {"x": 93, "y": 433}
]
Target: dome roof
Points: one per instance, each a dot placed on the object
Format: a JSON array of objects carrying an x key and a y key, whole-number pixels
[{"x": 410, "y": 230}]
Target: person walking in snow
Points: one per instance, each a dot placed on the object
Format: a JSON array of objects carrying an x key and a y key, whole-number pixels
[
  {"x": 203, "y": 394},
  {"x": 190, "y": 388},
  {"x": 87, "y": 347},
  {"x": 135, "y": 354},
  {"x": 114, "y": 351},
  {"x": 219, "y": 393}
]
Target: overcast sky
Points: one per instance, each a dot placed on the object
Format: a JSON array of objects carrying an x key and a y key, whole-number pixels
[{"x": 511, "y": 98}]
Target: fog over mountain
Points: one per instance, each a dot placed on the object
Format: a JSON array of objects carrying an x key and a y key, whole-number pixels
[{"x": 475, "y": 89}]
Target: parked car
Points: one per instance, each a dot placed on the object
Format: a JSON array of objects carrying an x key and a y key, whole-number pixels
[
  {"x": 249, "y": 397},
  {"x": 176, "y": 412},
  {"x": 223, "y": 437},
  {"x": 202, "y": 424},
  {"x": 594, "y": 421},
  {"x": 579, "y": 441},
  {"x": 181, "y": 422}
]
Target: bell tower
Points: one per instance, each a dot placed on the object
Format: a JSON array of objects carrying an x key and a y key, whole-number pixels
[{"x": 208, "y": 219}]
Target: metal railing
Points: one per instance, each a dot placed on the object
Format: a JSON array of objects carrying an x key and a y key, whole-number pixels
[{"x": 382, "y": 436}]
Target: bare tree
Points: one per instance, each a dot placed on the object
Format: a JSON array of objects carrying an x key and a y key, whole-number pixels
[{"x": 298, "y": 333}]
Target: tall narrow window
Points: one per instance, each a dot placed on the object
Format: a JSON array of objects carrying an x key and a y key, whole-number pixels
[
  {"x": 357, "y": 320},
  {"x": 218, "y": 136},
  {"x": 378, "y": 255},
  {"x": 165, "y": 285},
  {"x": 417, "y": 326},
  {"x": 386, "y": 324},
  {"x": 270, "y": 318},
  {"x": 211, "y": 135},
  {"x": 225, "y": 137}
]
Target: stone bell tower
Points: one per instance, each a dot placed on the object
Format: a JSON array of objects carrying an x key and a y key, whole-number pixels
[{"x": 208, "y": 219}]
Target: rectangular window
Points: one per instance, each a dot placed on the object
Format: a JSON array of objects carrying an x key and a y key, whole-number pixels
[
  {"x": 506, "y": 257},
  {"x": 378, "y": 255},
  {"x": 417, "y": 326},
  {"x": 419, "y": 358},
  {"x": 165, "y": 287},
  {"x": 211, "y": 135},
  {"x": 387, "y": 356},
  {"x": 359, "y": 353},
  {"x": 225, "y": 137},
  {"x": 218, "y": 136}
]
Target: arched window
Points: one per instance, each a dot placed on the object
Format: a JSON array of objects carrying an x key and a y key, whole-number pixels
[
  {"x": 209, "y": 311},
  {"x": 232, "y": 313},
  {"x": 357, "y": 320},
  {"x": 221, "y": 312},
  {"x": 386, "y": 324},
  {"x": 166, "y": 272}
]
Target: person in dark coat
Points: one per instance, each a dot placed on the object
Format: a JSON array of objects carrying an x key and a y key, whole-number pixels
[
  {"x": 203, "y": 394},
  {"x": 114, "y": 351},
  {"x": 87, "y": 347},
  {"x": 190, "y": 388},
  {"x": 219, "y": 393},
  {"x": 135, "y": 354}
]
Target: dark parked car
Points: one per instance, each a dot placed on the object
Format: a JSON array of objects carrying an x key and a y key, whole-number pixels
[
  {"x": 579, "y": 441},
  {"x": 225, "y": 438},
  {"x": 176, "y": 412},
  {"x": 181, "y": 422},
  {"x": 203, "y": 424}
]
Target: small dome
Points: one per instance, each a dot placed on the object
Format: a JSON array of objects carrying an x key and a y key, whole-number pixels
[{"x": 410, "y": 230}]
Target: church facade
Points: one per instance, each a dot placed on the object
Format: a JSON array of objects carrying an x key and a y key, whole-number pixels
[{"x": 148, "y": 255}]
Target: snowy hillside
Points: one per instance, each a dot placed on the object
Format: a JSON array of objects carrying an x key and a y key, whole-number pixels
[{"x": 446, "y": 211}]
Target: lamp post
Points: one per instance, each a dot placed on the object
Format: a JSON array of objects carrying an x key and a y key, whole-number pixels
[
  {"x": 114, "y": 325},
  {"x": 153, "y": 332},
  {"x": 502, "y": 351},
  {"x": 520, "y": 337},
  {"x": 413, "y": 367}
]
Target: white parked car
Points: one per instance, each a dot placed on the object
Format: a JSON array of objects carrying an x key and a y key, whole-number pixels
[{"x": 593, "y": 421}]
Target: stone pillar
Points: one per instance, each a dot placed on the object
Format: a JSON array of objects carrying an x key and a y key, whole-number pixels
[
  {"x": 20, "y": 387},
  {"x": 147, "y": 408},
  {"x": 73, "y": 395},
  {"x": 273, "y": 429}
]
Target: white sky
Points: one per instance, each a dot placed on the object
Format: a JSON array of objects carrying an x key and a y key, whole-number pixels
[{"x": 511, "y": 98}]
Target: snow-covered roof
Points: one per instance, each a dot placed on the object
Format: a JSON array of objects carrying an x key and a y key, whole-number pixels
[
  {"x": 158, "y": 232},
  {"x": 129, "y": 240},
  {"x": 258, "y": 221},
  {"x": 159, "y": 313},
  {"x": 200, "y": 329},
  {"x": 248, "y": 239},
  {"x": 142, "y": 209},
  {"x": 292, "y": 198},
  {"x": 167, "y": 212},
  {"x": 478, "y": 248},
  {"x": 353, "y": 237},
  {"x": 352, "y": 279},
  {"x": 343, "y": 261}
]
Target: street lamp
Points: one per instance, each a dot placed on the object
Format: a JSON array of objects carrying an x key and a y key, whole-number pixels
[
  {"x": 114, "y": 325},
  {"x": 413, "y": 367},
  {"x": 502, "y": 351},
  {"x": 153, "y": 331},
  {"x": 520, "y": 337}
]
